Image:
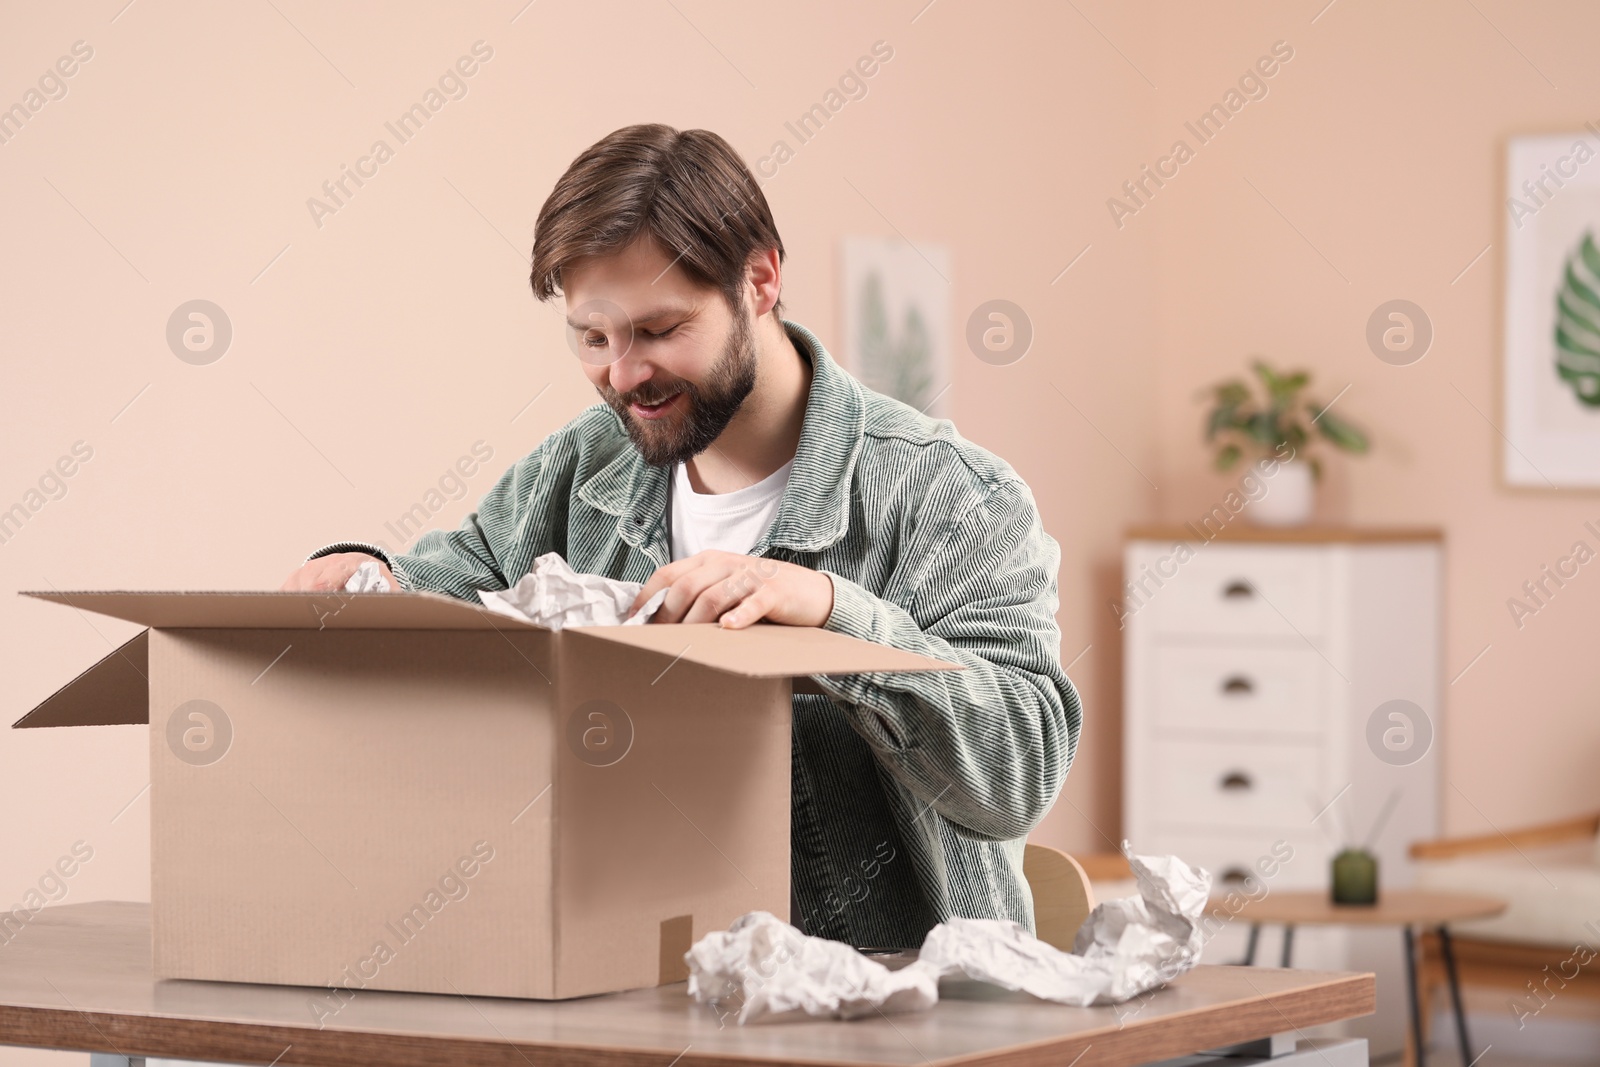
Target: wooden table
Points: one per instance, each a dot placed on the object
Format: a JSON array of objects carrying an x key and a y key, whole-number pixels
[
  {"x": 1408, "y": 909},
  {"x": 78, "y": 977}
]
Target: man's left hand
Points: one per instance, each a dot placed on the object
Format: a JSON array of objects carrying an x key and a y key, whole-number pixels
[{"x": 737, "y": 590}]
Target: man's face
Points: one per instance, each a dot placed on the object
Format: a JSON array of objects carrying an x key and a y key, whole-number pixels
[{"x": 672, "y": 359}]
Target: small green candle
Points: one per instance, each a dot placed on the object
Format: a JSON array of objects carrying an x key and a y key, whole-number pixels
[{"x": 1355, "y": 877}]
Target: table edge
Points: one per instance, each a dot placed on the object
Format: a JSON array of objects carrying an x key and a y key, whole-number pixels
[{"x": 1342, "y": 996}]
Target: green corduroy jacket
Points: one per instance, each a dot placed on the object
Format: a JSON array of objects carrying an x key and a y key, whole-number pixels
[{"x": 912, "y": 793}]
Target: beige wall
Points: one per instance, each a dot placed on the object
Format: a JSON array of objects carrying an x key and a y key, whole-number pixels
[{"x": 381, "y": 346}]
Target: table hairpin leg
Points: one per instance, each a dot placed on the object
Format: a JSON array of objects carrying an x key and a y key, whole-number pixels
[
  {"x": 1250, "y": 945},
  {"x": 1255, "y": 940},
  {"x": 1447, "y": 950},
  {"x": 1420, "y": 1054}
]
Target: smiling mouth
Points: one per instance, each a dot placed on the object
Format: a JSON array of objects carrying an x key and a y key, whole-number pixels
[{"x": 655, "y": 411}]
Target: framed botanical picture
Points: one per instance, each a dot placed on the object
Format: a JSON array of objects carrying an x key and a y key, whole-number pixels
[
  {"x": 1552, "y": 321},
  {"x": 896, "y": 305}
]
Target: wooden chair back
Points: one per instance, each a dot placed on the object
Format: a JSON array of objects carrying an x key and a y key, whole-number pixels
[{"x": 1062, "y": 898}]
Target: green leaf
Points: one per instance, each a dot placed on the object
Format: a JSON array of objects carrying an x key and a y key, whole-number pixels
[
  {"x": 1227, "y": 456},
  {"x": 1268, "y": 377},
  {"x": 1577, "y": 288},
  {"x": 1263, "y": 427},
  {"x": 1567, "y": 342},
  {"x": 1577, "y": 335},
  {"x": 1281, "y": 388},
  {"x": 1576, "y": 315},
  {"x": 1342, "y": 434},
  {"x": 1589, "y": 253},
  {"x": 1232, "y": 393}
]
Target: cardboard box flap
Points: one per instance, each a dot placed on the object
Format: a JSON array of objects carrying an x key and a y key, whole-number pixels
[
  {"x": 760, "y": 651},
  {"x": 113, "y": 692},
  {"x": 768, "y": 651},
  {"x": 289, "y": 611}
]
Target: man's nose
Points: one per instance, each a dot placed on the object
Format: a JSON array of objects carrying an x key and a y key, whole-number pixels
[{"x": 629, "y": 372}]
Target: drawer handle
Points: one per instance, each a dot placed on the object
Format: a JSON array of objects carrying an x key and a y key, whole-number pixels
[
  {"x": 1238, "y": 589},
  {"x": 1237, "y": 685},
  {"x": 1236, "y": 781},
  {"x": 1234, "y": 876}
]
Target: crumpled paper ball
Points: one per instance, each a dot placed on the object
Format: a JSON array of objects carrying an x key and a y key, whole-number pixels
[
  {"x": 368, "y": 578},
  {"x": 770, "y": 968},
  {"x": 553, "y": 595}
]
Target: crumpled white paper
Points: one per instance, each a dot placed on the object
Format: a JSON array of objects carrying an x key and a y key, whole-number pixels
[
  {"x": 1124, "y": 948},
  {"x": 554, "y": 595},
  {"x": 368, "y": 579},
  {"x": 769, "y": 968}
]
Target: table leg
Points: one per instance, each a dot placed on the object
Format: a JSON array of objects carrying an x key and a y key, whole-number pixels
[
  {"x": 1449, "y": 953},
  {"x": 1411, "y": 990},
  {"x": 1288, "y": 945},
  {"x": 1250, "y": 945}
]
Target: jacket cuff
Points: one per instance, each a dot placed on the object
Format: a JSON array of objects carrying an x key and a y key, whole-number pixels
[
  {"x": 351, "y": 546},
  {"x": 360, "y": 546},
  {"x": 855, "y": 611},
  {"x": 858, "y": 613}
]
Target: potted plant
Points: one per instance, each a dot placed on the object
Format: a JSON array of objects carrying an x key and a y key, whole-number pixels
[{"x": 1278, "y": 423}]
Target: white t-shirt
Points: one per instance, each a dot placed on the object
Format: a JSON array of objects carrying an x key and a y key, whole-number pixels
[{"x": 732, "y": 522}]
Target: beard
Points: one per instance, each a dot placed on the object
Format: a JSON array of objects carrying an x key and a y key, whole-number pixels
[{"x": 706, "y": 410}]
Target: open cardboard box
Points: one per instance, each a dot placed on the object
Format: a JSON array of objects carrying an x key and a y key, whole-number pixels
[{"x": 404, "y": 791}]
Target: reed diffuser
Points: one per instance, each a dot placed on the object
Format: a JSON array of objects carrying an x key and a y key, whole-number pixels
[{"x": 1355, "y": 868}]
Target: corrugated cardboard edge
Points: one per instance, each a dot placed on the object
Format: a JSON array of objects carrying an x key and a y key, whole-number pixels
[
  {"x": 768, "y": 650},
  {"x": 113, "y": 692},
  {"x": 760, "y": 651},
  {"x": 559, "y": 654},
  {"x": 278, "y": 610}
]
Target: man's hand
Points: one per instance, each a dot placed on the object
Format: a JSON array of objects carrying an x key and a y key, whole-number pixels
[
  {"x": 331, "y": 572},
  {"x": 736, "y": 590}
]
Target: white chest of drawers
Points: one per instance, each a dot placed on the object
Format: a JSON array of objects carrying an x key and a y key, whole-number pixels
[{"x": 1255, "y": 664}]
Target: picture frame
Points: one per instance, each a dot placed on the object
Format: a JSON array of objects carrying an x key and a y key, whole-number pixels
[
  {"x": 1552, "y": 311},
  {"x": 895, "y": 298}
]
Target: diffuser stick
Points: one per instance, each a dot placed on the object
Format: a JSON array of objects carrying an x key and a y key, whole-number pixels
[{"x": 1383, "y": 818}]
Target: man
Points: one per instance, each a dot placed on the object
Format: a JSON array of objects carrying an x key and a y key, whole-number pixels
[{"x": 735, "y": 464}]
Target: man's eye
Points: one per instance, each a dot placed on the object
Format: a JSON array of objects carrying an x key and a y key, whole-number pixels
[
  {"x": 657, "y": 335},
  {"x": 594, "y": 340}
]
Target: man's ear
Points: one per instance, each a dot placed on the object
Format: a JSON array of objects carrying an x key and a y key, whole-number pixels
[{"x": 764, "y": 275}]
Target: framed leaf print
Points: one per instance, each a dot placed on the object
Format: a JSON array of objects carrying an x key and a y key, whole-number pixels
[
  {"x": 1552, "y": 318},
  {"x": 896, "y": 302}
]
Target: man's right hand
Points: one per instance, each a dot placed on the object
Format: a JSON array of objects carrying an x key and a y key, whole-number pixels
[{"x": 332, "y": 572}]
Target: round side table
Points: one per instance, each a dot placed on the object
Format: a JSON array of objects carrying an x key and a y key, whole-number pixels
[{"x": 1409, "y": 909}]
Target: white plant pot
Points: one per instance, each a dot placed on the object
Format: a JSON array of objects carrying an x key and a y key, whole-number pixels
[{"x": 1290, "y": 497}]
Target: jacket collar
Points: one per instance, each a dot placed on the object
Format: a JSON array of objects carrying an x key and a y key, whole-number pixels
[{"x": 814, "y": 512}]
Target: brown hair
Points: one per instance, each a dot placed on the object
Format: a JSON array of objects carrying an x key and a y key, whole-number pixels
[{"x": 687, "y": 190}]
